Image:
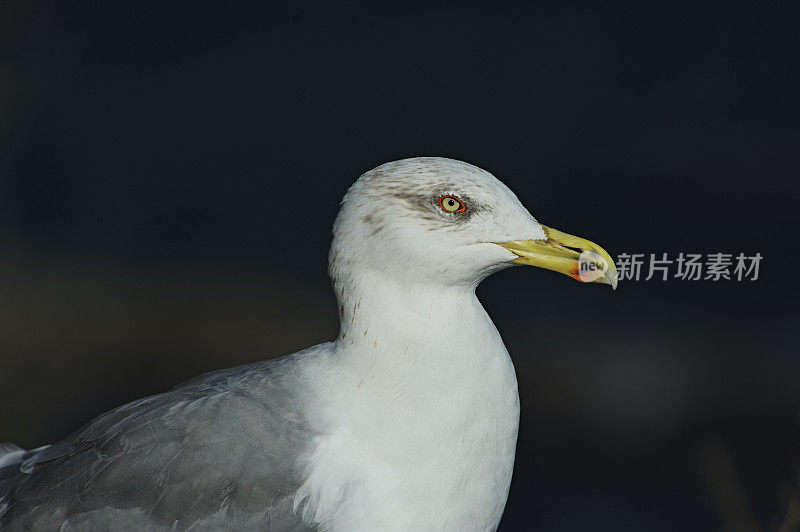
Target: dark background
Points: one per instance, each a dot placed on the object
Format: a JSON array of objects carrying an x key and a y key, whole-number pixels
[{"x": 169, "y": 174}]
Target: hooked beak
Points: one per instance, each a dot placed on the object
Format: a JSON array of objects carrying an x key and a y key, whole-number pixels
[{"x": 580, "y": 259}]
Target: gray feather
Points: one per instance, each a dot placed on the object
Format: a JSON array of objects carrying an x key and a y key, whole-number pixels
[{"x": 220, "y": 451}]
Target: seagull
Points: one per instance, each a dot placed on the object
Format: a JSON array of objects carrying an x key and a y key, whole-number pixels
[{"x": 406, "y": 421}]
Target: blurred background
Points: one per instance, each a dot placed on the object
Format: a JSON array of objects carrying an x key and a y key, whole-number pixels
[{"x": 169, "y": 173}]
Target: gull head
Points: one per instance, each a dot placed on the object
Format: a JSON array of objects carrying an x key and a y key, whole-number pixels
[{"x": 446, "y": 222}]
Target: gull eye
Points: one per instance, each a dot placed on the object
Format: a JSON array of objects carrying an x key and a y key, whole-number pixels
[{"x": 452, "y": 204}]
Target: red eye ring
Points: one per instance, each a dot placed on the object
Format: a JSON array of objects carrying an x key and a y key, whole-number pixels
[{"x": 452, "y": 204}]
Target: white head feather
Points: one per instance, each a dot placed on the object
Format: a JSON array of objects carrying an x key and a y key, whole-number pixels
[{"x": 391, "y": 221}]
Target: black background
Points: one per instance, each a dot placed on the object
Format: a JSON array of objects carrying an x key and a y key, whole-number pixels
[{"x": 169, "y": 174}]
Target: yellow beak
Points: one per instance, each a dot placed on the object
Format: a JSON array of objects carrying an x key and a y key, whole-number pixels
[{"x": 580, "y": 259}]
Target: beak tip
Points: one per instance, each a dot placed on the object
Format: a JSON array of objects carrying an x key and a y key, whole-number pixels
[{"x": 612, "y": 279}]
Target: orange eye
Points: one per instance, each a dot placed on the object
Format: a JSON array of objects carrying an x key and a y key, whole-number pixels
[{"x": 451, "y": 204}]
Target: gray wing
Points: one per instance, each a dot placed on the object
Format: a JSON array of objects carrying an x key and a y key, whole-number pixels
[{"x": 217, "y": 452}]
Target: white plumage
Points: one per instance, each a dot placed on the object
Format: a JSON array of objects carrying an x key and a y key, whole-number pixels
[
  {"x": 407, "y": 421},
  {"x": 419, "y": 391}
]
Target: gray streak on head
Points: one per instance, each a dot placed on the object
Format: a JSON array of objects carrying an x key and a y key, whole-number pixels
[
  {"x": 377, "y": 225},
  {"x": 423, "y": 202}
]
